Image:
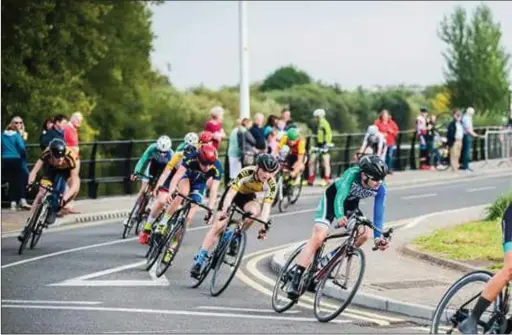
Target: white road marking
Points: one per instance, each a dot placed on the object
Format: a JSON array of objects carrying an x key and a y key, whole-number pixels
[
  {"x": 241, "y": 309},
  {"x": 419, "y": 219},
  {"x": 419, "y": 196},
  {"x": 85, "y": 281},
  {"x": 170, "y": 312},
  {"x": 55, "y": 302},
  {"x": 478, "y": 189}
]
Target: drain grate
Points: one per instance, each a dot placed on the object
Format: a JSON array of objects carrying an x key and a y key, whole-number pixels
[{"x": 399, "y": 285}]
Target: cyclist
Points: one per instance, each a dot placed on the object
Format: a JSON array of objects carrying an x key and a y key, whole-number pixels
[
  {"x": 190, "y": 178},
  {"x": 497, "y": 282},
  {"x": 341, "y": 198},
  {"x": 189, "y": 140},
  {"x": 59, "y": 167},
  {"x": 297, "y": 145},
  {"x": 323, "y": 143},
  {"x": 374, "y": 143},
  {"x": 242, "y": 191}
]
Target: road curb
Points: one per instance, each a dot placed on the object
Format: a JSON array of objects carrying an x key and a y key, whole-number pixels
[
  {"x": 411, "y": 251},
  {"x": 364, "y": 299}
]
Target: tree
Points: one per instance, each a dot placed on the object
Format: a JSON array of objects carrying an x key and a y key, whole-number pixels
[
  {"x": 285, "y": 77},
  {"x": 477, "y": 65}
]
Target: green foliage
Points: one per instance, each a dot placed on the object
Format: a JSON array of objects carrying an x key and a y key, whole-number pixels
[
  {"x": 477, "y": 64},
  {"x": 285, "y": 77},
  {"x": 498, "y": 207}
]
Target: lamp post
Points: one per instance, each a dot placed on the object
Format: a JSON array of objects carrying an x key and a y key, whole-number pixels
[{"x": 244, "y": 61}]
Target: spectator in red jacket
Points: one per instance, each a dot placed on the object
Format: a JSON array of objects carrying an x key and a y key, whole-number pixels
[
  {"x": 214, "y": 125},
  {"x": 389, "y": 129}
]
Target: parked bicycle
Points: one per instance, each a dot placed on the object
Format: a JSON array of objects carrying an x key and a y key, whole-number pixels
[
  {"x": 140, "y": 210},
  {"x": 448, "y": 314},
  {"x": 37, "y": 221},
  {"x": 316, "y": 277},
  {"x": 231, "y": 243}
]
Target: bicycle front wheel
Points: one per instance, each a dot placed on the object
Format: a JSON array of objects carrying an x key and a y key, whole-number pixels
[
  {"x": 32, "y": 221},
  {"x": 450, "y": 312},
  {"x": 172, "y": 242},
  {"x": 133, "y": 216},
  {"x": 38, "y": 229},
  {"x": 230, "y": 256},
  {"x": 339, "y": 285}
]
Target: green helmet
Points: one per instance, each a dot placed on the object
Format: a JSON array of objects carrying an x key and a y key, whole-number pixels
[{"x": 293, "y": 134}]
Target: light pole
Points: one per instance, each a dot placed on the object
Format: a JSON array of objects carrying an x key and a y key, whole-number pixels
[{"x": 244, "y": 62}]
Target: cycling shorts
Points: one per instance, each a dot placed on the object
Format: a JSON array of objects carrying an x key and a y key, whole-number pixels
[
  {"x": 506, "y": 226},
  {"x": 240, "y": 200},
  {"x": 325, "y": 211}
]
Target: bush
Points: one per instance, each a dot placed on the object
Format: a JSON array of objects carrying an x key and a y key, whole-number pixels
[{"x": 496, "y": 210}]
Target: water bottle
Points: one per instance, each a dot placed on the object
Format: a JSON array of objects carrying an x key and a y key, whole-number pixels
[{"x": 324, "y": 260}]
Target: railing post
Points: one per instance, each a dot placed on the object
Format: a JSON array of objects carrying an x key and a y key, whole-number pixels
[
  {"x": 474, "y": 154},
  {"x": 412, "y": 155},
  {"x": 482, "y": 146},
  {"x": 128, "y": 169},
  {"x": 398, "y": 163},
  {"x": 93, "y": 191}
]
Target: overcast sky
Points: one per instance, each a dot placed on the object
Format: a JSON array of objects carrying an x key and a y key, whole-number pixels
[{"x": 350, "y": 43}]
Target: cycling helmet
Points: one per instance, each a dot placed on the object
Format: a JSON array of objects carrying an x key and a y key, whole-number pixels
[
  {"x": 267, "y": 162},
  {"x": 206, "y": 137},
  {"x": 164, "y": 144},
  {"x": 373, "y": 166},
  {"x": 191, "y": 138},
  {"x": 319, "y": 113},
  {"x": 207, "y": 154},
  {"x": 372, "y": 130},
  {"x": 57, "y": 148},
  {"x": 293, "y": 134}
]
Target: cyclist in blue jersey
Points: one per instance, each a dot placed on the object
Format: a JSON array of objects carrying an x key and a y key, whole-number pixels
[{"x": 340, "y": 198}]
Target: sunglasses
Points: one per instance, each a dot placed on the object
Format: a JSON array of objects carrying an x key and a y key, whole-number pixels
[
  {"x": 18, "y": 122},
  {"x": 373, "y": 178}
]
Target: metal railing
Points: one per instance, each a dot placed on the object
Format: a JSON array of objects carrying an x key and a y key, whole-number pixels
[{"x": 106, "y": 166}]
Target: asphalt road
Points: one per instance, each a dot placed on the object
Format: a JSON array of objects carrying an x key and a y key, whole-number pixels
[{"x": 123, "y": 298}]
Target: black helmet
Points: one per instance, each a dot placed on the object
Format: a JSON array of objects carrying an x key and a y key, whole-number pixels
[
  {"x": 373, "y": 166},
  {"x": 57, "y": 148},
  {"x": 267, "y": 162}
]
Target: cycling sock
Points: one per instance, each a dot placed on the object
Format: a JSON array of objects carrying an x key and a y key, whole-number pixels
[
  {"x": 166, "y": 217},
  {"x": 300, "y": 269},
  {"x": 148, "y": 224},
  {"x": 480, "y": 307},
  {"x": 151, "y": 219}
]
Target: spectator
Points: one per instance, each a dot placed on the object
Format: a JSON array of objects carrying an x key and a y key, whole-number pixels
[
  {"x": 272, "y": 142},
  {"x": 454, "y": 137},
  {"x": 71, "y": 140},
  {"x": 247, "y": 143},
  {"x": 214, "y": 125},
  {"x": 271, "y": 124},
  {"x": 13, "y": 154},
  {"x": 18, "y": 125},
  {"x": 234, "y": 152},
  {"x": 421, "y": 133},
  {"x": 431, "y": 132},
  {"x": 389, "y": 129},
  {"x": 280, "y": 125},
  {"x": 47, "y": 125},
  {"x": 469, "y": 133},
  {"x": 286, "y": 116},
  {"x": 57, "y": 131},
  {"x": 257, "y": 132}
]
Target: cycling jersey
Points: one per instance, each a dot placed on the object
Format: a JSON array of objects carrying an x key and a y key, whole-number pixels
[
  {"x": 344, "y": 195},
  {"x": 246, "y": 183},
  {"x": 376, "y": 142},
  {"x": 50, "y": 170},
  {"x": 298, "y": 148},
  {"x": 180, "y": 153},
  {"x": 152, "y": 161},
  {"x": 324, "y": 133},
  {"x": 194, "y": 173}
]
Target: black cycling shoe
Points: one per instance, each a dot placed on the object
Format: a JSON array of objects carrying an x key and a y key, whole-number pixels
[
  {"x": 233, "y": 247},
  {"x": 467, "y": 326},
  {"x": 195, "y": 272},
  {"x": 293, "y": 290},
  {"x": 311, "y": 287}
]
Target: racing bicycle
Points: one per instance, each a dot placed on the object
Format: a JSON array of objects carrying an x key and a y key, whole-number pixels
[{"x": 139, "y": 212}]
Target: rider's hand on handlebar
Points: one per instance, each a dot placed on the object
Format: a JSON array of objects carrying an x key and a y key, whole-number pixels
[
  {"x": 262, "y": 233},
  {"x": 381, "y": 243},
  {"x": 207, "y": 217},
  {"x": 133, "y": 177},
  {"x": 222, "y": 215},
  {"x": 342, "y": 222}
]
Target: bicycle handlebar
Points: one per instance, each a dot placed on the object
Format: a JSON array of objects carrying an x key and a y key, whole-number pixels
[
  {"x": 248, "y": 215},
  {"x": 177, "y": 193},
  {"x": 38, "y": 184},
  {"x": 142, "y": 175}
]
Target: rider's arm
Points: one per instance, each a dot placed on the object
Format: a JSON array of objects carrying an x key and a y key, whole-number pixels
[
  {"x": 378, "y": 210},
  {"x": 265, "y": 211},
  {"x": 33, "y": 174},
  {"x": 269, "y": 199},
  {"x": 382, "y": 145},
  {"x": 228, "y": 199},
  {"x": 141, "y": 164},
  {"x": 364, "y": 145},
  {"x": 343, "y": 186},
  {"x": 176, "y": 178},
  {"x": 74, "y": 183},
  {"x": 213, "y": 193}
]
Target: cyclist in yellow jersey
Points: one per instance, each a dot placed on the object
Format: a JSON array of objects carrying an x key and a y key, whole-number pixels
[
  {"x": 242, "y": 192},
  {"x": 297, "y": 145}
]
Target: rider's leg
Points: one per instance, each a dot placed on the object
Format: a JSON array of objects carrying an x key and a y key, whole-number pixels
[
  {"x": 183, "y": 188},
  {"x": 156, "y": 209},
  {"x": 327, "y": 166},
  {"x": 59, "y": 187},
  {"x": 363, "y": 235},
  {"x": 311, "y": 167}
]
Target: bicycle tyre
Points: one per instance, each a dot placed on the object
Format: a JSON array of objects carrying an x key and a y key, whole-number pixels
[
  {"x": 129, "y": 222},
  {"x": 479, "y": 275},
  {"x": 299, "y": 191},
  {"x": 177, "y": 230},
  {"x": 30, "y": 227},
  {"x": 282, "y": 273},
  {"x": 144, "y": 216},
  {"x": 220, "y": 261},
  {"x": 38, "y": 231},
  {"x": 348, "y": 300}
]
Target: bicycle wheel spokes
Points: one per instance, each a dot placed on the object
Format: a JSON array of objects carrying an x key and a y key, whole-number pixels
[
  {"x": 230, "y": 258},
  {"x": 459, "y": 300},
  {"x": 337, "y": 288},
  {"x": 170, "y": 249},
  {"x": 280, "y": 300},
  {"x": 39, "y": 225},
  {"x": 32, "y": 221},
  {"x": 132, "y": 217}
]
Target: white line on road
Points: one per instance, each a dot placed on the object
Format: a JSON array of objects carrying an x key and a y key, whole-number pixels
[
  {"x": 170, "y": 312},
  {"x": 419, "y": 219},
  {"x": 55, "y": 302},
  {"x": 241, "y": 309},
  {"x": 478, "y": 189},
  {"x": 419, "y": 196}
]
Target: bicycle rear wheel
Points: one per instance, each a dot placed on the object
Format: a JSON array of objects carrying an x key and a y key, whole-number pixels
[
  {"x": 133, "y": 216},
  {"x": 332, "y": 298},
  {"x": 218, "y": 284},
  {"x": 282, "y": 282},
  {"x": 178, "y": 232},
  {"x": 32, "y": 221},
  {"x": 449, "y": 314},
  {"x": 38, "y": 229}
]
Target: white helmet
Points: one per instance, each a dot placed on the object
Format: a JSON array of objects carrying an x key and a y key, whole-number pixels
[
  {"x": 372, "y": 130},
  {"x": 191, "y": 138},
  {"x": 319, "y": 113},
  {"x": 164, "y": 144}
]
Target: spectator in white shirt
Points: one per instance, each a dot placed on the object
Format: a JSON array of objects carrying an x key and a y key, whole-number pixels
[
  {"x": 454, "y": 137},
  {"x": 469, "y": 133}
]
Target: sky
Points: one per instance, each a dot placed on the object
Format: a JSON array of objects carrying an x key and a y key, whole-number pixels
[{"x": 350, "y": 43}]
